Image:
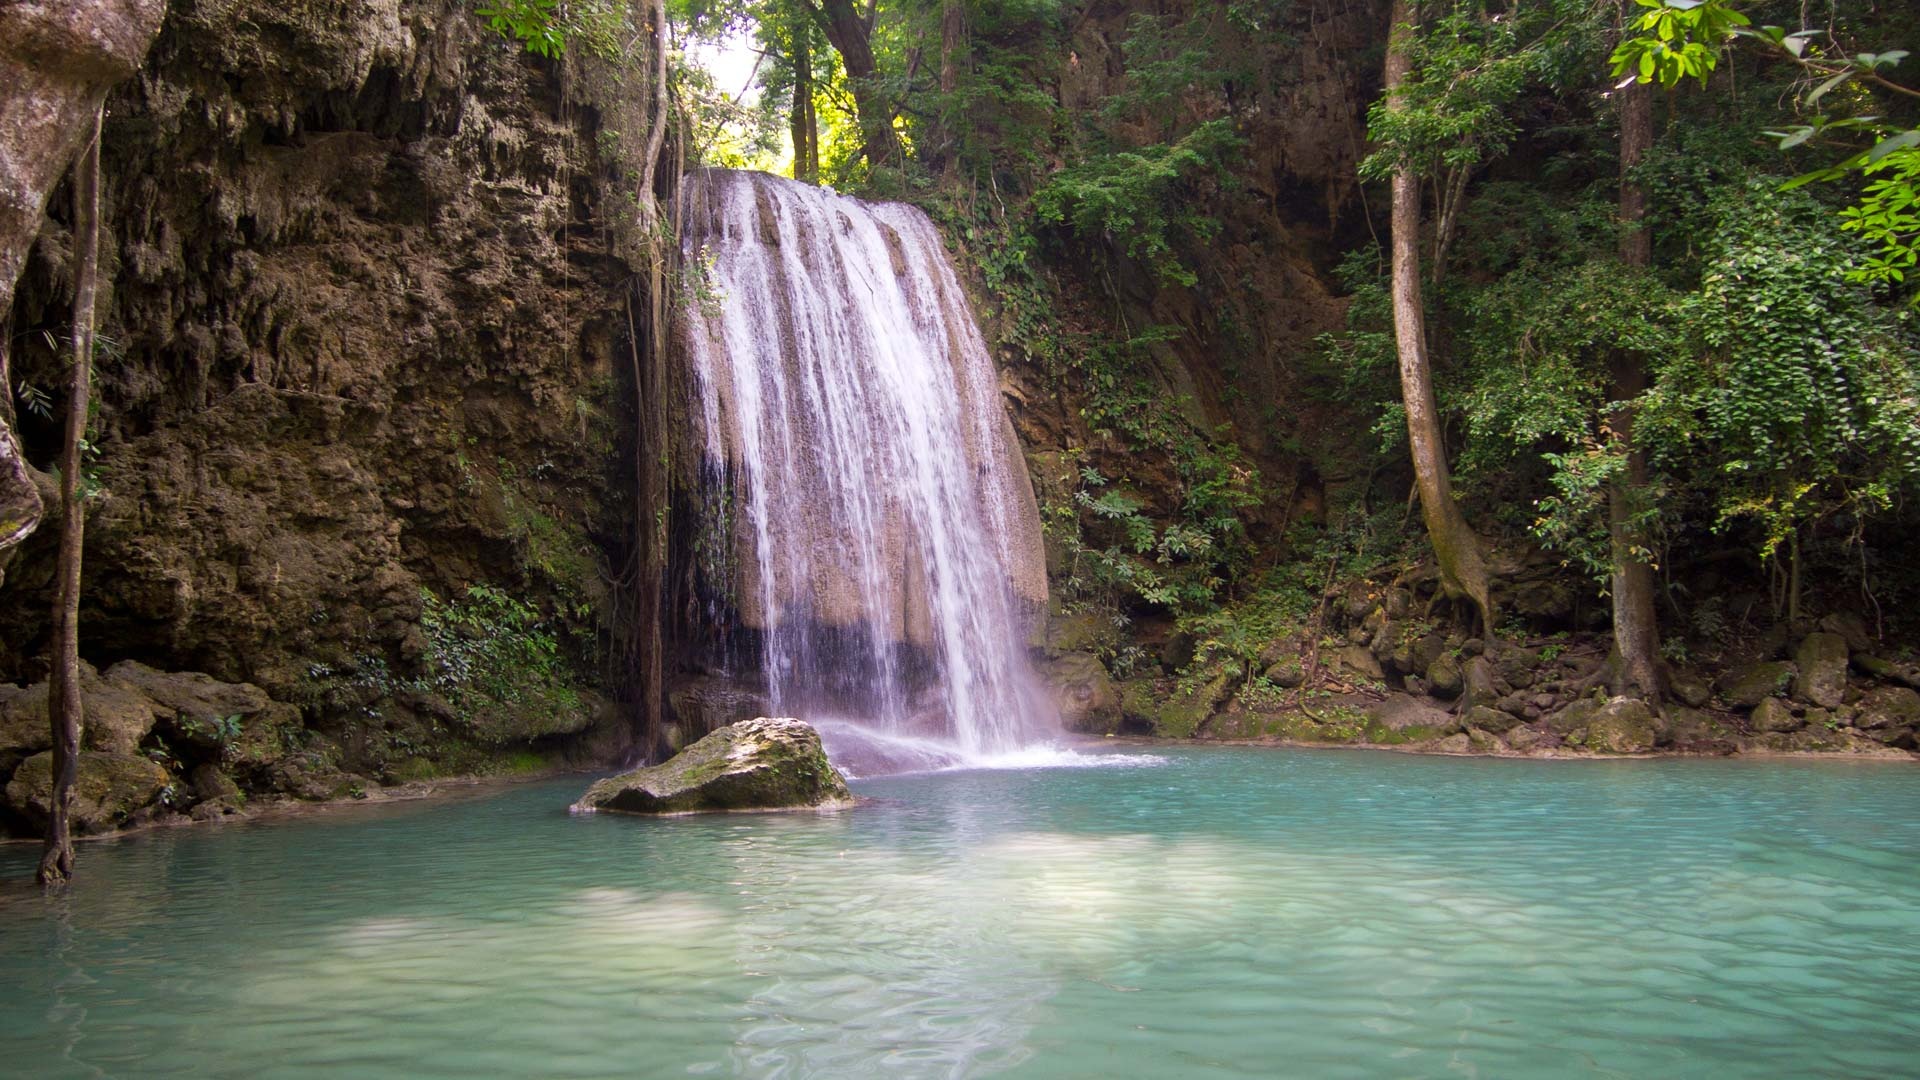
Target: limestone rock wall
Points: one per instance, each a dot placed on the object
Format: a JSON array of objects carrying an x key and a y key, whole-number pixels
[{"x": 360, "y": 333}]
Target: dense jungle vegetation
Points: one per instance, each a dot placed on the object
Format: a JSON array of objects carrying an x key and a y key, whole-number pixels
[
  {"x": 1347, "y": 344},
  {"x": 1634, "y": 279}
]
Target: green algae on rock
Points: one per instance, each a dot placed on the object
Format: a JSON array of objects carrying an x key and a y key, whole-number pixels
[{"x": 761, "y": 764}]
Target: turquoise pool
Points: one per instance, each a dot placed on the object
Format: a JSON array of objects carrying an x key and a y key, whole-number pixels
[{"x": 1186, "y": 912}]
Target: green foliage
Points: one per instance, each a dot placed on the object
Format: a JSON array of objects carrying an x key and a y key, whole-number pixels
[
  {"x": 1802, "y": 394},
  {"x": 1169, "y": 567},
  {"x": 222, "y": 731},
  {"x": 1888, "y": 213},
  {"x": 1680, "y": 39},
  {"x": 554, "y": 549},
  {"x": 544, "y": 27},
  {"x": 1538, "y": 339},
  {"x": 1468, "y": 67},
  {"x": 1279, "y": 604},
  {"x": 1686, "y": 39},
  {"x": 487, "y": 647},
  {"x": 1141, "y": 201}
]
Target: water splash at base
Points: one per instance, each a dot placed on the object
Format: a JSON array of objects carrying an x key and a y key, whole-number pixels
[{"x": 861, "y": 751}]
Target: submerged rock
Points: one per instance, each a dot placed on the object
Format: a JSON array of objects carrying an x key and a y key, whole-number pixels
[{"x": 761, "y": 764}]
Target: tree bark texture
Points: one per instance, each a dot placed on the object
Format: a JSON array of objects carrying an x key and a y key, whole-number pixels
[
  {"x": 804, "y": 124},
  {"x": 1456, "y": 548},
  {"x": 57, "y": 60},
  {"x": 953, "y": 40},
  {"x": 64, "y": 707},
  {"x": 1636, "y": 628},
  {"x": 650, "y": 409},
  {"x": 850, "y": 34}
]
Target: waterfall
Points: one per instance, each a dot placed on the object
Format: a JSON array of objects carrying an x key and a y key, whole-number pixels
[{"x": 860, "y": 470}]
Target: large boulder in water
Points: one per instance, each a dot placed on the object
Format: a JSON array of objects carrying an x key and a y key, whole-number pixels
[{"x": 760, "y": 764}]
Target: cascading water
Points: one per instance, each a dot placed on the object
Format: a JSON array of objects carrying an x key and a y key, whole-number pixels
[{"x": 865, "y": 480}]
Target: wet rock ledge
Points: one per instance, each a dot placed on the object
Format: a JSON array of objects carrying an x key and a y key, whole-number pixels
[{"x": 761, "y": 764}]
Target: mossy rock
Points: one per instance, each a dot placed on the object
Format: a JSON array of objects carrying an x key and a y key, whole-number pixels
[
  {"x": 1749, "y": 686},
  {"x": 1244, "y": 725},
  {"x": 761, "y": 764},
  {"x": 1402, "y": 718},
  {"x": 1516, "y": 666},
  {"x": 1169, "y": 711},
  {"x": 1890, "y": 715},
  {"x": 1358, "y": 660},
  {"x": 1822, "y": 678},
  {"x": 1495, "y": 721},
  {"x": 412, "y": 769},
  {"x": 1524, "y": 738},
  {"x": 542, "y": 712},
  {"x": 1772, "y": 715},
  {"x": 1691, "y": 690},
  {"x": 1140, "y": 702},
  {"x": 1286, "y": 673},
  {"x": 1445, "y": 678},
  {"x": 310, "y": 777},
  {"x": 117, "y": 716},
  {"x": 1082, "y": 631},
  {"x": 1084, "y": 693},
  {"x": 107, "y": 789},
  {"x": 1621, "y": 726},
  {"x": 1685, "y": 726},
  {"x": 1575, "y": 717},
  {"x": 1870, "y": 665}
]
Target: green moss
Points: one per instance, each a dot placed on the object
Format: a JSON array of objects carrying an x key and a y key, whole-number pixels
[
  {"x": 755, "y": 764},
  {"x": 557, "y": 550},
  {"x": 408, "y": 770},
  {"x": 523, "y": 762}
]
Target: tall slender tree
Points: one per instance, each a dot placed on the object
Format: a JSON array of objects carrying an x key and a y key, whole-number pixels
[
  {"x": 64, "y": 706},
  {"x": 803, "y": 122},
  {"x": 1456, "y": 547},
  {"x": 1636, "y": 628}
]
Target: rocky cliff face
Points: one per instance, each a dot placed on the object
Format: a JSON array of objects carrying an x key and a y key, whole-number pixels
[
  {"x": 361, "y": 322},
  {"x": 1234, "y": 352}
]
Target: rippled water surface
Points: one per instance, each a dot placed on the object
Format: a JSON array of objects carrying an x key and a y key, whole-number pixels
[{"x": 1222, "y": 913}]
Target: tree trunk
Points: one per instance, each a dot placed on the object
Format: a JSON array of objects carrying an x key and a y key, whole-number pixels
[
  {"x": 851, "y": 36},
  {"x": 953, "y": 39},
  {"x": 804, "y": 125},
  {"x": 648, "y": 658},
  {"x": 63, "y": 695},
  {"x": 57, "y": 60},
  {"x": 942, "y": 150},
  {"x": 1636, "y": 627},
  {"x": 1463, "y": 568}
]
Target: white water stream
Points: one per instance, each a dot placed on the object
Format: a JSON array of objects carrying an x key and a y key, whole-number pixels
[{"x": 884, "y": 537}]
